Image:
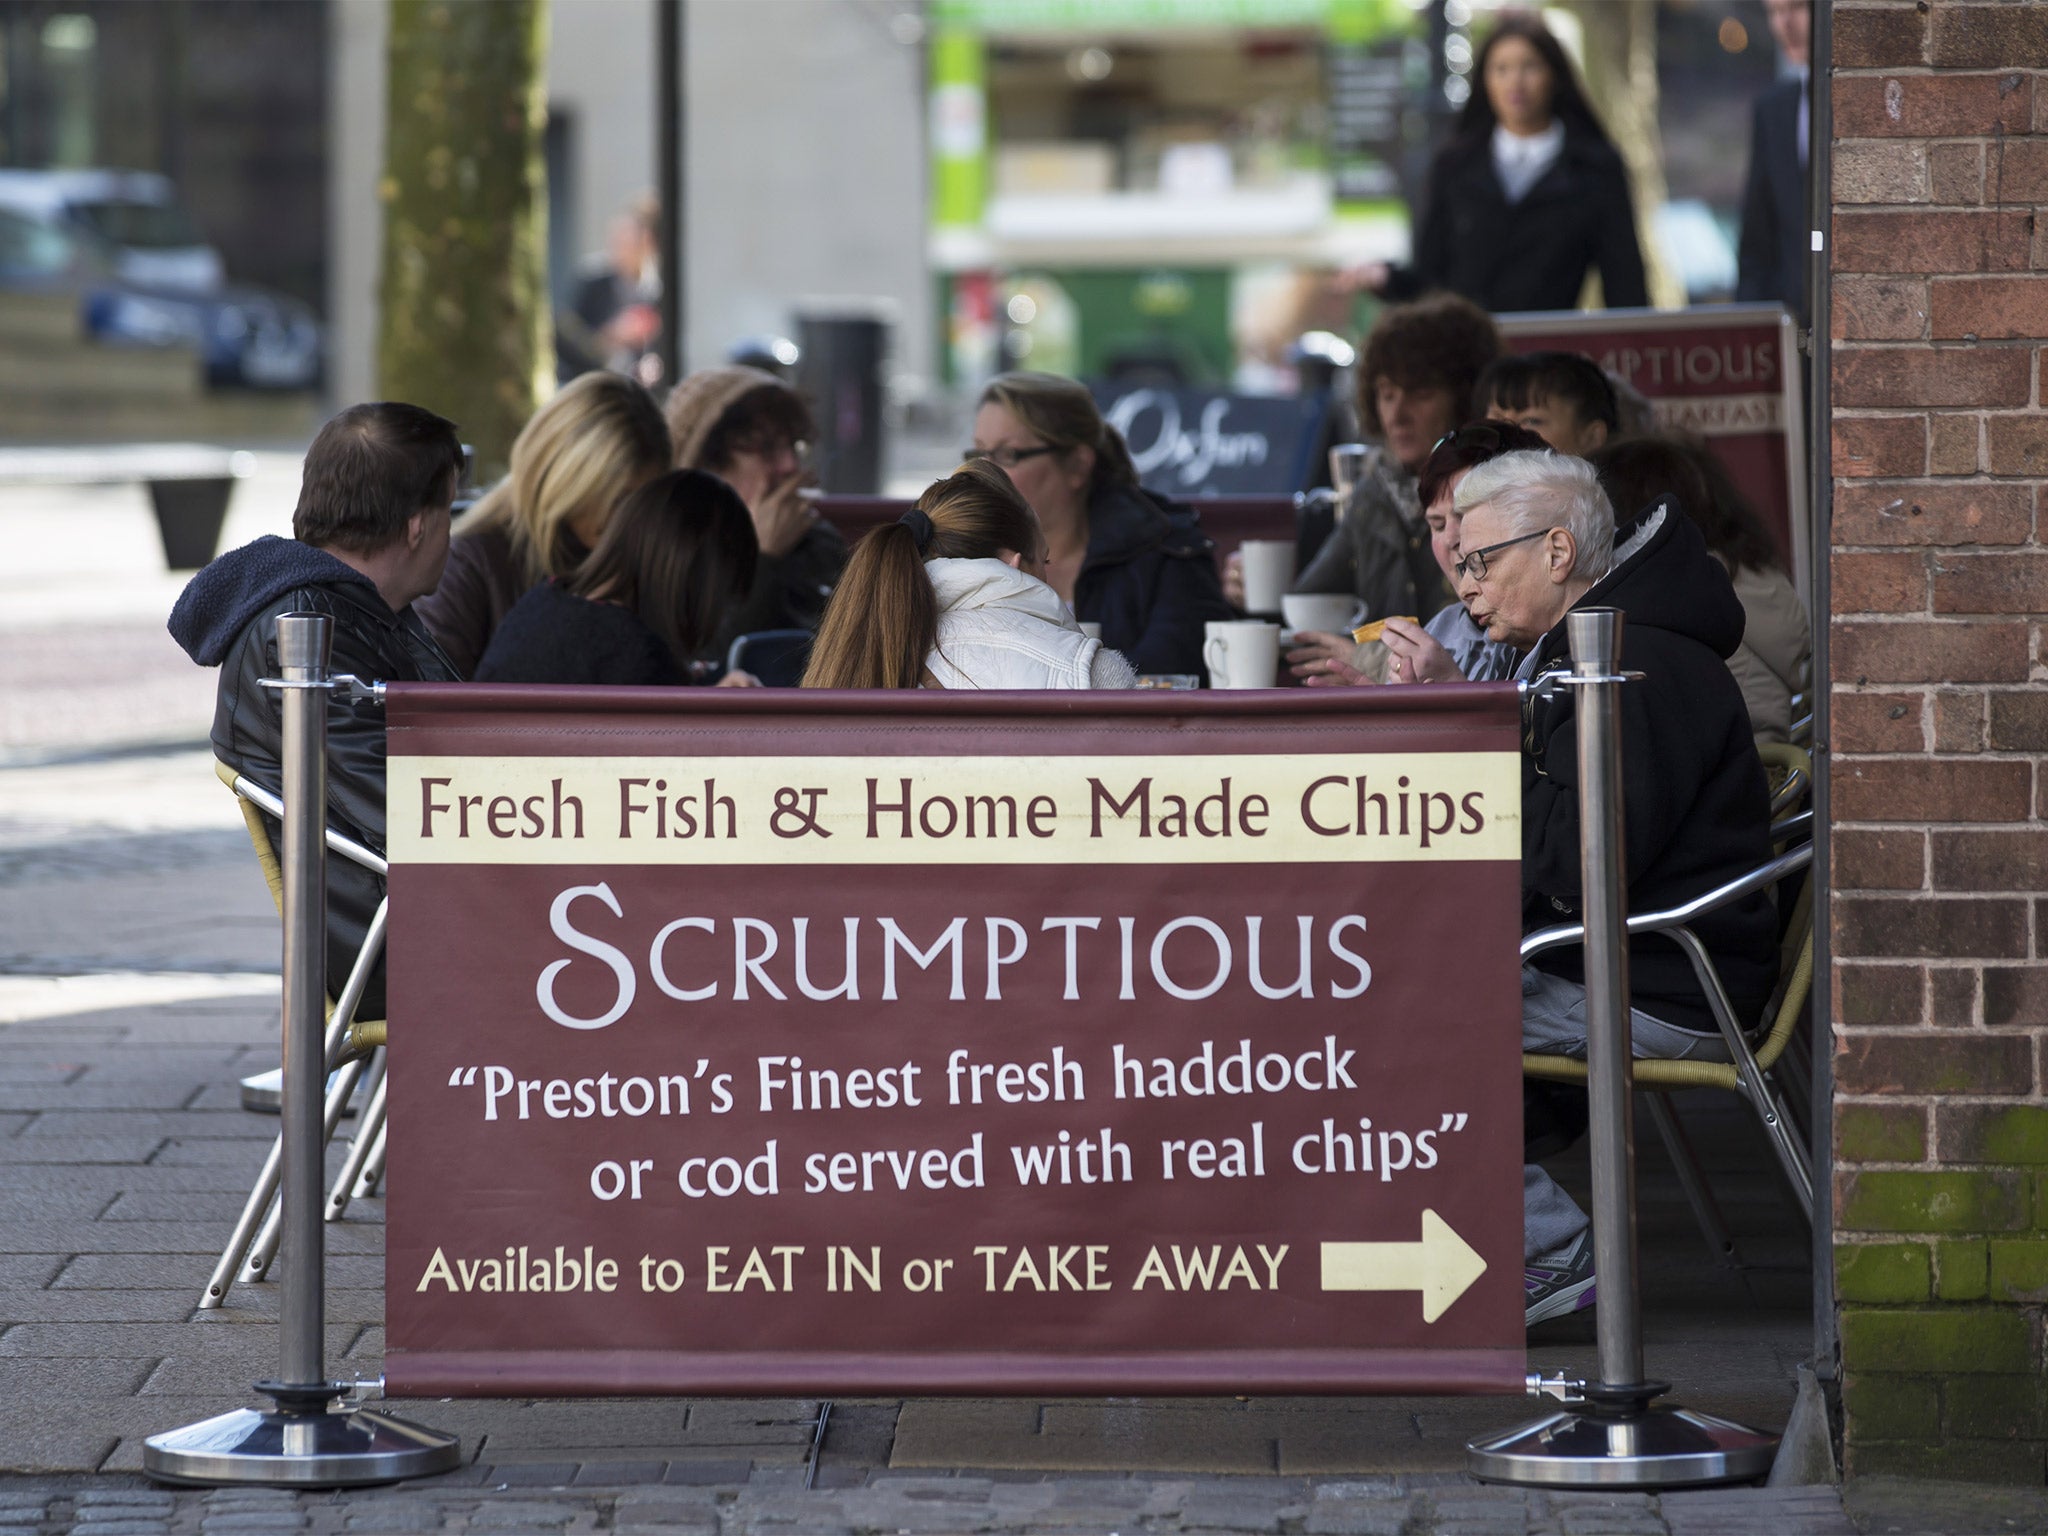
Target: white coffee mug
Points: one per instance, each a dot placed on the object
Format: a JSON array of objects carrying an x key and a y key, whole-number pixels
[
  {"x": 1326, "y": 613},
  {"x": 1090, "y": 628},
  {"x": 1241, "y": 653},
  {"x": 1268, "y": 569}
]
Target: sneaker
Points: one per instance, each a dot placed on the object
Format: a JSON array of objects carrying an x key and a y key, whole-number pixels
[{"x": 1562, "y": 1287}]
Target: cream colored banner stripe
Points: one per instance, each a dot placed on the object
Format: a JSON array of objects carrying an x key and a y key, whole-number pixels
[{"x": 1228, "y": 809}]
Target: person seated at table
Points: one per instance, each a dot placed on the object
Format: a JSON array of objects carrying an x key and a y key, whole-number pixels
[
  {"x": 1450, "y": 648},
  {"x": 1537, "y": 542},
  {"x": 953, "y": 595},
  {"x": 1134, "y": 562},
  {"x": 1415, "y": 383},
  {"x": 1775, "y": 659},
  {"x": 369, "y": 538},
  {"x": 752, "y": 430},
  {"x": 1565, "y": 398},
  {"x": 676, "y": 556},
  {"x": 580, "y": 454}
]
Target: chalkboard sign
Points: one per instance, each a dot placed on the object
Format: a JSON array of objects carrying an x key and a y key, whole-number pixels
[{"x": 1193, "y": 442}]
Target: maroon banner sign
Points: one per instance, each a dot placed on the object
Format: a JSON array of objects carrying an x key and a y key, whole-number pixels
[
  {"x": 1728, "y": 373},
  {"x": 941, "y": 1042}
]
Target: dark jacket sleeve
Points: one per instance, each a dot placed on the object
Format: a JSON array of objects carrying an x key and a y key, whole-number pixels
[
  {"x": 1756, "y": 251},
  {"x": 1430, "y": 256},
  {"x": 789, "y": 591},
  {"x": 1188, "y": 595},
  {"x": 1622, "y": 284}
]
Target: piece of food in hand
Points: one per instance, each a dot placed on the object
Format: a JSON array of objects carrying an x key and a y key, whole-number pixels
[{"x": 1365, "y": 634}]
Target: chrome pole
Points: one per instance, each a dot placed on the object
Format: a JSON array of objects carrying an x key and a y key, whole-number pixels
[
  {"x": 307, "y": 1439},
  {"x": 1612, "y": 1435}
]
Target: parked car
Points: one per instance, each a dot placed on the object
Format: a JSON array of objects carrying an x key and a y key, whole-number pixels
[
  {"x": 246, "y": 337},
  {"x": 133, "y": 216}
]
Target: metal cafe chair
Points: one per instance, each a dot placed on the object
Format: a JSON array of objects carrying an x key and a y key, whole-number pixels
[
  {"x": 776, "y": 656},
  {"x": 352, "y": 1046},
  {"x": 1752, "y": 1053}
]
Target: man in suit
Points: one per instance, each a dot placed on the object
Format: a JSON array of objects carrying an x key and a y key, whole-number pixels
[{"x": 1771, "y": 259}]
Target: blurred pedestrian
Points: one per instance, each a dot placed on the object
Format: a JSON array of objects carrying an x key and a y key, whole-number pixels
[
  {"x": 1770, "y": 259},
  {"x": 675, "y": 556},
  {"x": 753, "y": 431},
  {"x": 1530, "y": 194},
  {"x": 614, "y": 319},
  {"x": 583, "y": 452},
  {"x": 953, "y": 595}
]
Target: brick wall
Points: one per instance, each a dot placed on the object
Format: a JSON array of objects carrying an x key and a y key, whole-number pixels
[{"x": 1940, "y": 724}]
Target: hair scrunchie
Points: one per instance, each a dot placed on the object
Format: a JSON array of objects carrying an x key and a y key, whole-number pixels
[{"x": 920, "y": 527}]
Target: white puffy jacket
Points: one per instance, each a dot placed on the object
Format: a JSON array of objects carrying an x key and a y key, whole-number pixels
[{"x": 999, "y": 628}]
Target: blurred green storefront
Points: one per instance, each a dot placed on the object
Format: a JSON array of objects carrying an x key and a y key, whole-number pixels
[{"x": 1161, "y": 188}]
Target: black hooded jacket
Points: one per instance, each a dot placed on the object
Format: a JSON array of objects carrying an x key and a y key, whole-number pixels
[
  {"x": 227, "y": 617},
  {"x": 1149, "y": 579},
  {"x": 1696, "y": 807}
]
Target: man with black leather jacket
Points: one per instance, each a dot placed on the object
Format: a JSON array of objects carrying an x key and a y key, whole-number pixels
[{"x": 371, "y": 535}]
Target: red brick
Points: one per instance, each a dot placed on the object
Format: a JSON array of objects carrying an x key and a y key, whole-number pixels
[
  {"x": 1880, "y": 308},
  {"x": 2016, "y": 995},
  {"x": 1959, "y": 721},
  {"x": 2019, "y": 722},
  {"x": 2009, "y": 860},
  {"x": 2017, "y": 445},
  {"x": 1907, "y": 652},
  {"x": 1888, "y": 582},
  {"x": 1879, "y": 861},
  {"x": 1905, "y": 378},
  {"x": 2004, "y": 583},
  {"x": 1879, "y": 39},
  {"x": 1947, "y": 1063},
  {"x": 1952, "y": 995},
  {"x": 2018, "y": 171},
  {"x": 1995, "y": 240},
  {"x": 1993, "y": 308},
  {"x": 1952, "y": 444},
  {"x": 1955, "y": 173},
  {"x": 1931, "y": 106},
  {"x": 1881, "y": 171},
  {"x": 1988, "y": 36},
  {"x": 1876, "y": 722},
  {"x": 1926, "y": 790},
  {"x": 1944, "y": 512},
  {"x": 1880, "y": 445},
  {"x": 1872, "y": 996}
]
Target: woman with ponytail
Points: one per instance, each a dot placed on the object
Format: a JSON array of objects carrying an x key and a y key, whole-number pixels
[
  {"x": 1126, "y": 559},
  {"x": 954, "y": 596}
]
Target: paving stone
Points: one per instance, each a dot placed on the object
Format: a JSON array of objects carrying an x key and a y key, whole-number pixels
[
  {"x": 255, "y": 1520},
  {"x": 1356, "y": 1517},
  {"x": 137, "y": 1527},
  {"x": 618, "y": 1474},
  {"x": 54, "y": 1306},
  {"x": 535, "y": 1474},
  {"x": 517, "y": 1515},
  {"x": 706, "y": 1473},
  {"x": 81, "y": 1149}
]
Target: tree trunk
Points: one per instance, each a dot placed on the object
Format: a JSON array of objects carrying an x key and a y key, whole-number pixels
[
  {"x": 1620, "y": 49},
  {"x": 463, "y": 308}
]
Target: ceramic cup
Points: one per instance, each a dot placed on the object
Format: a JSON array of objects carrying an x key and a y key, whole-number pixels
[
  {"x": 1241, "y": 653},
  {"x": 1268, "y": 569},
  {"x": 1327, "y": 613}
]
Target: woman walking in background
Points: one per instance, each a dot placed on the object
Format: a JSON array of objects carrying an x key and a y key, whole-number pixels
[{"x": 953, "y": 596}]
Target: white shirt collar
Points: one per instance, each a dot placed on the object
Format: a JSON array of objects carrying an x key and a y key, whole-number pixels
[{"x": 1520, "y": 160}]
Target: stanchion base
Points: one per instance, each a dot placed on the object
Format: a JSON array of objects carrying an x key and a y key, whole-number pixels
[
  {"x": 320, "y": 1449},
  {"x": 1652, "y": 1448}
]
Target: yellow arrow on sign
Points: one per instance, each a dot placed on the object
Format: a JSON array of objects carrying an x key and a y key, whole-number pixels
[{"x": 1442, "y": 1266}]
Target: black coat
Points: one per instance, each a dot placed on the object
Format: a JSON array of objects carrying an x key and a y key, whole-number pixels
[
  {"x": 227, "y": 617},
  {"x": 1696, "y": 809},
  {"x": 1533, "y": 254},
  {"x": 1770, "y": 260},
  {"x": 1149, "y": 579},
  {"x": 553, "y": 636}
]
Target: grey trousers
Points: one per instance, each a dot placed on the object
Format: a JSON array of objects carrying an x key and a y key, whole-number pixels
[{"x": 1554, "y": 1022}]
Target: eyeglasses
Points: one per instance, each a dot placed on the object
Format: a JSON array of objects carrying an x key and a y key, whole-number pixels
[
  {"x": 1009, "y": 458},
  {"x": 771, "y": 445},
  {"x": 1474, "y": 564}
]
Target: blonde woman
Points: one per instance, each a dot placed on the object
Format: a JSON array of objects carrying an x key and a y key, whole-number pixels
[
  {"x": 954, "y": 596},
  {"x": 584, "y": 452}
]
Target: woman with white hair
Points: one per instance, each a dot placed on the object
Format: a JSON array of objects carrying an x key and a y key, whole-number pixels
[{"x": 1536, "y": 541}]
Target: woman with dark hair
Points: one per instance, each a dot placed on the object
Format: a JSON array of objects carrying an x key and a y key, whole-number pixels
[
  {"x": 1415, "y": 383},
  {"x": 750, "y": 429},
  {"x": 1133, "y": 562},
  {"x": 1775, "y": 659},
  {"x": 675, "y": 556},
  {"x": 1530, "y": 194},
  {"x": 953, "y": 595}
]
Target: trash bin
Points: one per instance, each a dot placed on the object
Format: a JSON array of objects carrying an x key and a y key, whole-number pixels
[{"x": 842, "y": 347}]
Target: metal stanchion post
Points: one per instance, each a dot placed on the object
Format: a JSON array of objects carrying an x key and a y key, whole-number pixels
[
  {"x": 1611, "y": 1435},
  {"x": 310, "y": 1439}
]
